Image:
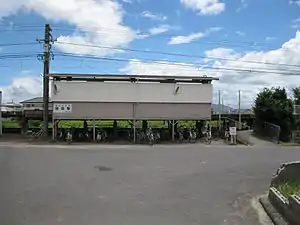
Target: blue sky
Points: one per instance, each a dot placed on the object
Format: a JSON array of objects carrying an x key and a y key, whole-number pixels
[{"x": 240, "y": 30}]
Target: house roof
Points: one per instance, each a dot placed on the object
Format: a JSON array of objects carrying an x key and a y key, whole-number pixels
[{"x": 33, "y": 100}]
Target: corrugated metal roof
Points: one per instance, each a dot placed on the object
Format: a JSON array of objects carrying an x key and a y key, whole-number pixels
[{"x": 129, "y": 77}]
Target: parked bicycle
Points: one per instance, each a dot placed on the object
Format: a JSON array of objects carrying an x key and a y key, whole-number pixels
[
  {"x": 157, "y": 137},
  {"x": 180, "y": 136},
  {"x": 69, "y": 137},
  {"x": 101, "y": 136},
  {"x": 226, "y": 136},
  {"x": 150, "y": 136},
  {"x": 207, "y": 137},
  {"x": 192, "y": 136}
]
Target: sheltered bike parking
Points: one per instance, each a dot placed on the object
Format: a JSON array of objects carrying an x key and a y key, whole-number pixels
[{"x": 137, "y": 100}]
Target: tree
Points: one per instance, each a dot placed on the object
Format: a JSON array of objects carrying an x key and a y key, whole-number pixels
[
  {"x": 296, "y": 95},
  {"x": 274, "y": 106}
]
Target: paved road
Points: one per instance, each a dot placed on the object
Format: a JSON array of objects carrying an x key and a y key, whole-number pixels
[{"x": 134, "y": 185}]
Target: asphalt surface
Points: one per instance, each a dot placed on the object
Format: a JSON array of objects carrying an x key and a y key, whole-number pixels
[{"x": 135, "y": 185}]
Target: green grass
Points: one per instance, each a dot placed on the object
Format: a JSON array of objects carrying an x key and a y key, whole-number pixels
[
  {"x": 10, "y": 124},
  {"x": 102, "y": 124},
  {"x": 291, "y": 188},
  {"x": 289, "y": 144}
]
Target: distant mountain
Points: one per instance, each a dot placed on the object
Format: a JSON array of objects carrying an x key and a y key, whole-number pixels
[{"x": 226, "y": 108}]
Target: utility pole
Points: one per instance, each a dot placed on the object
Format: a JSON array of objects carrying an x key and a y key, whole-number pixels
[
  {"x": 46, "y": 58},
  {"x": 219, "y": 99},
  {"x": 240, "y": 113},
  {"x": 222, "y": 106}
]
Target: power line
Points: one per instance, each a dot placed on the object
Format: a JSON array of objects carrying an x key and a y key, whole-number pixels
[
  {"x": 148, "y": 35},
  {"x": 17, "y": 44},
  {"x": 18, "y": 56},
  {"x": 22, "y": 25},
  {"x": 182, "y": 65},
  {"x": 84, "y": 29},
  {"x": 21, "y": 30},
  {"x": 105, "y": 31},
  {"x": 180, "y": 54}
]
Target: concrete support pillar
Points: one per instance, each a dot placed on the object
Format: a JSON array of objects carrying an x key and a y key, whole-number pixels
[
  {"x": 134, "y": 131},
  {"x": 85, "y": 126},
  {"x": 24, "y": 126},
  {"x": 173, "y": 130},
  {"x": 54, "y": 129},
  {"x": 94, "y": 130},
  {"x": 145, "y": 125},
  {"x": 115, "y": 132}
]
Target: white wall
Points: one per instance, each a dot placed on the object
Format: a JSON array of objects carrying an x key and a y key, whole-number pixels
[{"x": 74, "y": 91}]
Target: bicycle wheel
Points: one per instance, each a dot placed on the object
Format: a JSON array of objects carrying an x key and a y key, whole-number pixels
[{"x": 208, "y": 141}]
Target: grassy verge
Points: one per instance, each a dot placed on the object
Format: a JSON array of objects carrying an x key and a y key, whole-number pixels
[
  {"x": 291, "y": 188},
  {"x": 289, "y": 144},
  {"x": 100, "y": 124}
]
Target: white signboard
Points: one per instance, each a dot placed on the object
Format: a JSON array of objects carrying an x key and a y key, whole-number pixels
[
  {"x": 62, "y": 108},
  {"x": 232, "y": 131}
]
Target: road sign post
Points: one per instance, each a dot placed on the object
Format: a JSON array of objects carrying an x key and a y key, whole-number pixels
[{"x": 232, "y": 132}]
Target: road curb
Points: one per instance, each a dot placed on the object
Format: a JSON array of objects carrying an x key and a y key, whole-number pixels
[{"x": 271, "y": 211}]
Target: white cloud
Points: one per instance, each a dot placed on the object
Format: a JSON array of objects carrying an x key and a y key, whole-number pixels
[
  {"x": 231, "y": 81},
  {"x": 243, "y": 6},
  {"x": 192, "y": 37},
  {"x": 250, "y": 83},
  {"x": 205, "y": 7},
  {"x": 270, "y": 38},
  {"x": 97, "y": 22},
  {"x": 22, "y": 88},
  {"x": 153, "y": 16},
  {"x": 296, "y": 2},
  {"x": 127, "y": 1},
  {"x": 221, "y": 53},
  {"x": 296, "y": 23},
  {"x": 160, "y": 29},
  {"x": 240, "y": 33},
  {"x": 185, "y": 39},
  {"x": 160, "y": 68}
]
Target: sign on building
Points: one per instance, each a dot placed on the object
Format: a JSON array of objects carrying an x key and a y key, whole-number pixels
[{"x": 62, "y": 108}]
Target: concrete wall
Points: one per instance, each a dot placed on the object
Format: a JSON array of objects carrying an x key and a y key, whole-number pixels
[
  {"x": 286, "y": 173},
  {"x": 97, "y": 110},
  {"x": 289, "y": 208},
  {"x": 75, "y": 91},
  {"x": 243, "y": 136}
]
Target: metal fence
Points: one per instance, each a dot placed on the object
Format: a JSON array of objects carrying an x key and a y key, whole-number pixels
[{"x": 267, "y": 130}]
